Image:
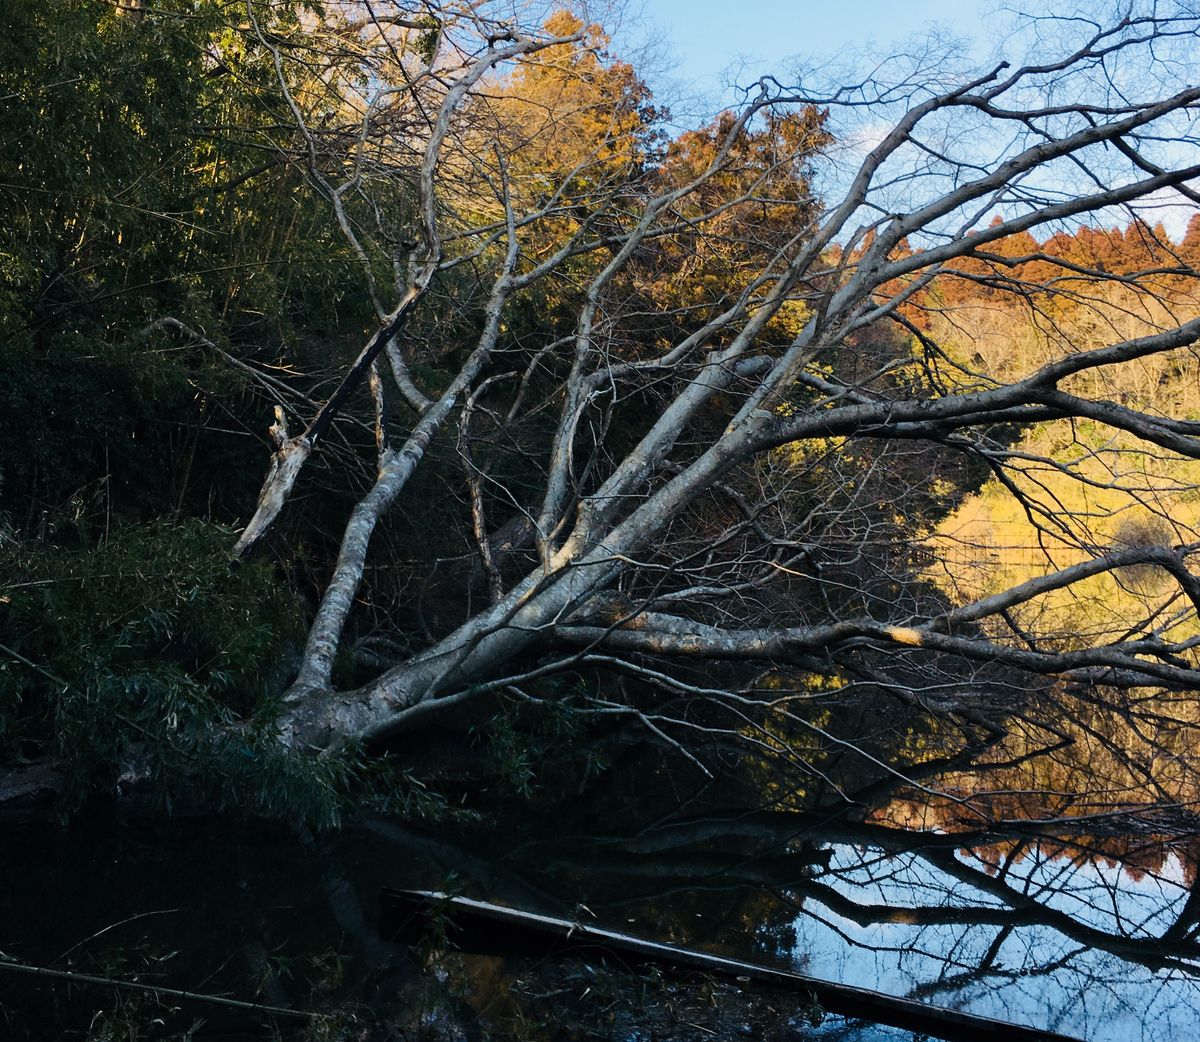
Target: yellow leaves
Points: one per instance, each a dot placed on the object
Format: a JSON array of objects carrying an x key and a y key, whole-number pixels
[
  {"x": 1096, "y": 490},
  {"x": 565, "y": 23},
  {"x": 942, "y": 488},
  {"x": 564, "y": 129},
  {"x": 567, "y": 111},
  {"x": 802, "y": 455}
]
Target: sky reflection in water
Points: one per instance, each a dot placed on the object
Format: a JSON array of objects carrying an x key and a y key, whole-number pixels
[{"x": 1032, "y": 973}]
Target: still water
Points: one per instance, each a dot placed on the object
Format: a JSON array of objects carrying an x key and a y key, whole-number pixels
[
  {"x": 1036, "y": 931},
  {"x": 954, "y": 882},
  {"x": 1084, "y": 948}
]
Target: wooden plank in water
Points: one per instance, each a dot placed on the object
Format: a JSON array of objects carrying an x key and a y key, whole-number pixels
[{"x": 478, "y": 926}]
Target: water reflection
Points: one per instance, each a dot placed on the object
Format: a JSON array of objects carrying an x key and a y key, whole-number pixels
[
  {"x": 1039, "y": 930},
  {"x": 1046, "y": 931},
  {"x": 935, "y": 865},
  {"x": 1081, "y": 948},
  {"x": 1046, "y": 875},
  {"x": 1043, "y": 931}
]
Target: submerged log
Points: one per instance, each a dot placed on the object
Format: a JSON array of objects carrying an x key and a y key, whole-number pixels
[{"x": 408, "y": 916}]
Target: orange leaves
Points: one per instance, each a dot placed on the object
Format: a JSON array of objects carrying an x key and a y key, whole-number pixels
[
  {"x": 756, "y": 200},
  {"x": 571, "y": 115}
]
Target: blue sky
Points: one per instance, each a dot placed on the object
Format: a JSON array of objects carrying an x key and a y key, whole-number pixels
[
  {"x": 700, "y": 47},
  {"x": 697, "y": 48},
  {"x": 707, "y": 38}
]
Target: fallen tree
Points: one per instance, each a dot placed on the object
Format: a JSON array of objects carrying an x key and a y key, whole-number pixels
[
  {"x": 693, "y": 533},
  {"x": 701, "y": 433}
]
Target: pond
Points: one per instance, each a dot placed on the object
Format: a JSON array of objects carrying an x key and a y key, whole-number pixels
[{"x": 900, "y": 886}]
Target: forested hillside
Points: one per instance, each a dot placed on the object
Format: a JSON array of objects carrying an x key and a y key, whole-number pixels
[
  {"x": 146, "y": 199},
  {"x": 368, "y": 370},
  {"x": 1076, "y": 488}
]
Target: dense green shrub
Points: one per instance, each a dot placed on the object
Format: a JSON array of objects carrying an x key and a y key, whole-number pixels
[{"x": 149, "y": 654}]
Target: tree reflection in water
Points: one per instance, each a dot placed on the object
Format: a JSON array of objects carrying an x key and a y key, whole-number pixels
[
  {"x": 1043, "y": 872},
  {"x": 994, "y": 908},
  {"x": 1024, "y": 871},
  {"x": 1041, "y": 937}
]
